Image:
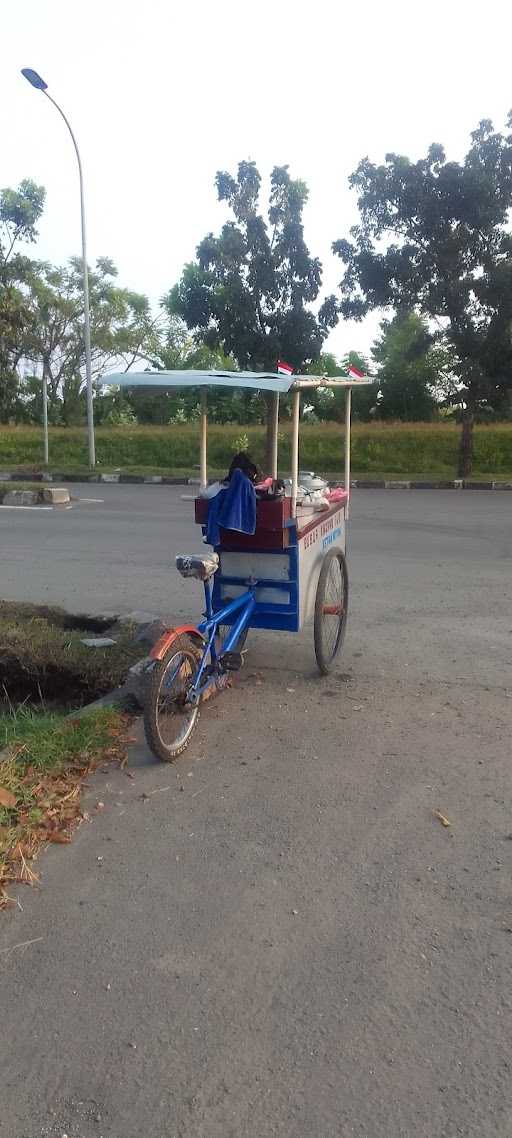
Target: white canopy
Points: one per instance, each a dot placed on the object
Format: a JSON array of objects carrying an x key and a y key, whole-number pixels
[{"x": 158, "y": 381}]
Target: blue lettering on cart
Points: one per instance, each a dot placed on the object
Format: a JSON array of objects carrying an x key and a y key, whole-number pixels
[{"x": 331, "y": 537}]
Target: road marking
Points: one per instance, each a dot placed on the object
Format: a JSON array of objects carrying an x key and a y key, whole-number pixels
[
  {"x": 91, "y": 499},
  {"x": 26, "y": 507}
]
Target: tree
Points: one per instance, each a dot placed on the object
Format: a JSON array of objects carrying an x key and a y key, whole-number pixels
[
  {"x": 411, "y": 366},
  {"x": 448, "y": 256},
  {"x": 364, "y": 399},
  {"x": 250, "y": 290},
  {"x": 20, "y": 211},
  {"x": 328, "y": 405},
  {"x": 123, "y": 330},
  {"x": 178, "y": 350}
]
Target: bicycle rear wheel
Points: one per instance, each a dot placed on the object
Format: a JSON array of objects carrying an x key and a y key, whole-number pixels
[{"x": 169, "y": 720}]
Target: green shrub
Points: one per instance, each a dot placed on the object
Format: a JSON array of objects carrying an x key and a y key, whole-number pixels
[{"x": 404, "y": 448}]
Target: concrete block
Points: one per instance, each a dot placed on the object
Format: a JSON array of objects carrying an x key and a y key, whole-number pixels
[
  {"x": 56, "y": 495},
  {"x": 153, "y": 478},
  {"x": 398, "y": 485},
  {"x": 109, "y": 477},
  {"x": 98, "y": 642}
]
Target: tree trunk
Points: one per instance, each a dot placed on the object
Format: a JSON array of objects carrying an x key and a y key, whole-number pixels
[{"x": 466, "y": 444}]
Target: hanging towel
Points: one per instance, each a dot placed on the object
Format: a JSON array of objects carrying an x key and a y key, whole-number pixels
[{"x": 233, "y": 508}]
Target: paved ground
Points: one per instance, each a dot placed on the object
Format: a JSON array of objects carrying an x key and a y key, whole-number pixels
[{"x": 280, "y": 939}]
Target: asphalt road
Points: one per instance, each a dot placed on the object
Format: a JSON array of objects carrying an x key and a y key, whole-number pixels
[{"x": 281, "y": 939}]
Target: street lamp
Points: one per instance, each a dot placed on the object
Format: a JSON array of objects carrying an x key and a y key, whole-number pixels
[{"x": 40, "y": 85}]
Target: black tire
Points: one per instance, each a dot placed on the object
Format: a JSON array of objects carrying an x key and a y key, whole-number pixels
[
  {"x": 331, "y": 593},
  {"x": 168, "y": 722}
]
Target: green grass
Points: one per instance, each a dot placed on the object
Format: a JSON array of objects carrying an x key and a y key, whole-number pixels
[
  {"x": 49, "y": 738},
  {"x": 426, "y": 448},
  {"x": 41, "y": 772}
]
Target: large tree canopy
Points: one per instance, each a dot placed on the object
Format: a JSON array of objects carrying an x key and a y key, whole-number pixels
[
  {"x": 251, "y": 289},
  {"x": 434, "y": 236},
  {"x": 414, "y": 368}
]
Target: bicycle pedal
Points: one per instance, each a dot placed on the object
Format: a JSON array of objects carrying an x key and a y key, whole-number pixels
[{"x": 232, "y": 661}]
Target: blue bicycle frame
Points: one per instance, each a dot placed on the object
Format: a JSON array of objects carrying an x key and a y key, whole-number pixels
[{"x": 242, "y": 608}]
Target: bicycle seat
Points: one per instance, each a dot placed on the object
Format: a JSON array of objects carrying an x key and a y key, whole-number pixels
[{"x": 201, "y": 566}]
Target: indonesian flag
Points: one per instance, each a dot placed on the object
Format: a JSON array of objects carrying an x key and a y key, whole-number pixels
[
  {"x": 284, "y": 368},
  {"x": 354, "y": 372}
]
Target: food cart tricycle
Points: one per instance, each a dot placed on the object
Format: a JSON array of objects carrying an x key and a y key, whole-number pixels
[{"x": 289, "y": 570}]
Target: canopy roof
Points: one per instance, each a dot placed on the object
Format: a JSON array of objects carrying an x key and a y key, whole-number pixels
[{"x": 158, "y": 381}]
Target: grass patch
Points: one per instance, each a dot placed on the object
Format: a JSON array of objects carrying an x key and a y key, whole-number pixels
[
  {"x": 45, "y": 763},
  {"x": 42, "y": 657},
  {"x": 426, "y": 448}
]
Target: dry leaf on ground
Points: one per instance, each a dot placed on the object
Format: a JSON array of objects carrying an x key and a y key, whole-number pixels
[{"x": 6, "y": 798}]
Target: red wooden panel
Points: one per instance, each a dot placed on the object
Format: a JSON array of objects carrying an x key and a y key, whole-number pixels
[
  {"x": 270, "y": 515},
  {"x": 263, "y": 539}
]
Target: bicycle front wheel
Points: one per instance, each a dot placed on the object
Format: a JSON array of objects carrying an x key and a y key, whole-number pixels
[{"x": 169, "y": 720}]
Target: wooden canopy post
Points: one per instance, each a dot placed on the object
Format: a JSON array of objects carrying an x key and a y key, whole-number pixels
[
  {"x": 274, "y": 434},
  {"x": 295, "y": 449},
  {"x": 348, "y": 416}
]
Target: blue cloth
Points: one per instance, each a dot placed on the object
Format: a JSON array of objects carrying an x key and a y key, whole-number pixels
[{"x": 233, "y": 508}]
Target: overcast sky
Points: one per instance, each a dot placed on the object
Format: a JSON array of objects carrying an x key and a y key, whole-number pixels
[{"x": 161, "y": 95}]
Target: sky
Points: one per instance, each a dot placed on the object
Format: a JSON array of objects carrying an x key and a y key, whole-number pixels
[{"x": 161, "y": 95}]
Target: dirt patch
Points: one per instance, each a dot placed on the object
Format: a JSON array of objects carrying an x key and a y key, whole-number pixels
[{"x": 44, "y": 662}]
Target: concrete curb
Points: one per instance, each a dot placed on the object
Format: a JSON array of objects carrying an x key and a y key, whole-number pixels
[
  {"x": 53, "y": 496},
  {"x": 431, "y": 484},
  {"x": 456, "y": 484},
  {"x": 170, "y": 480}
]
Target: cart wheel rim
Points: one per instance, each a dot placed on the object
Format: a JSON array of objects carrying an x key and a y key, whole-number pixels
[
  {"x": 330, "y": 609},
  {"x": 333, "y": 607}
]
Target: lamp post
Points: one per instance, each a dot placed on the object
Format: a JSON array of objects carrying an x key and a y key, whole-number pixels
[{"x": 36, "y": 81}]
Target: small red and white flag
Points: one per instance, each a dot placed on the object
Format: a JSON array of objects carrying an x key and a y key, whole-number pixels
[
  {"x": 284, "y": 368},
  {"x": 354, "y": 372}
]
